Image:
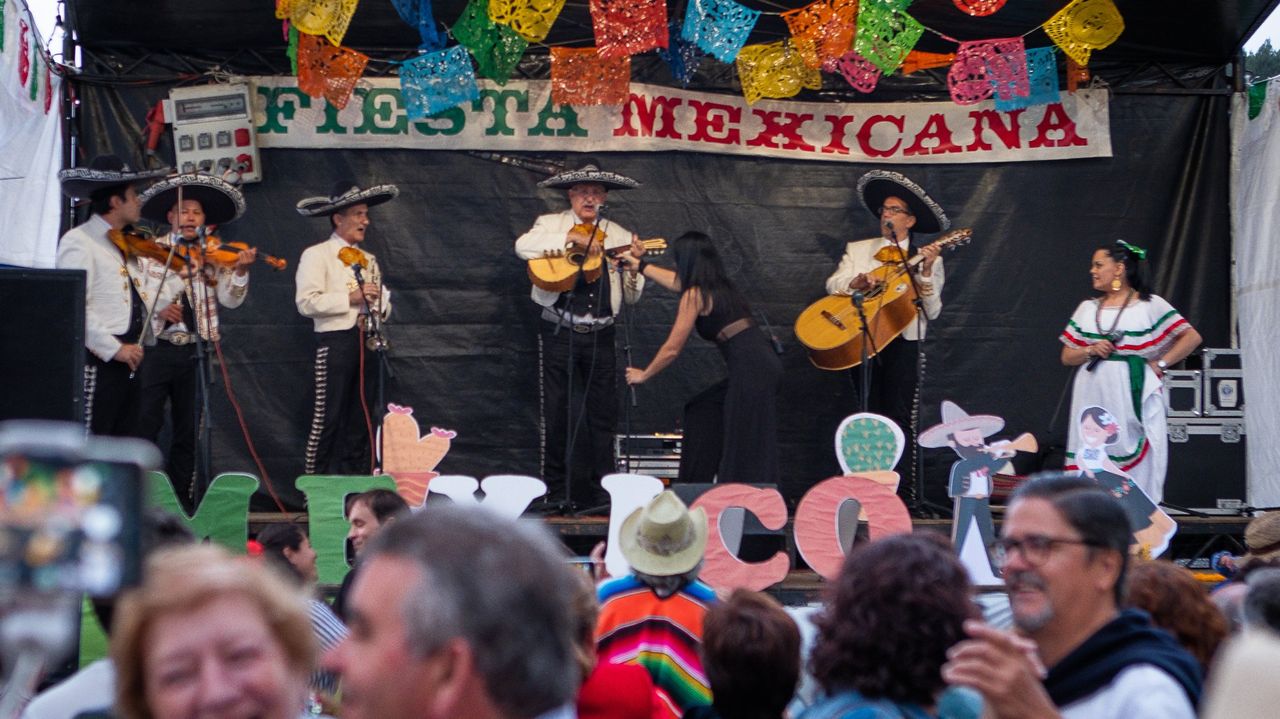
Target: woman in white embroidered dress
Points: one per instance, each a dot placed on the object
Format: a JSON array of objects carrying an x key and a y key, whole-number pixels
[{"x": 1135, "y": 336}]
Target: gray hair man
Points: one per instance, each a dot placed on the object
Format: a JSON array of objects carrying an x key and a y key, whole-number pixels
[
  {"x": 458, "y": 613},
  {"x": 1064, "y": 553}
]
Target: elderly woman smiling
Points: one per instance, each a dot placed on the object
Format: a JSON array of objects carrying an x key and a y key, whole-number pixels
[{"x": 211, "y": 635}]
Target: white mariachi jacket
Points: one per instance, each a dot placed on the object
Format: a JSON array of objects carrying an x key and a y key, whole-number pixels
[
  {"x": 860, "y": 257},
  {"x": 108, "y": 302},
  {"x": 548, "y": 235},
  {"x": 230, "y": 291},
  {"x": 324, "y": 284}
]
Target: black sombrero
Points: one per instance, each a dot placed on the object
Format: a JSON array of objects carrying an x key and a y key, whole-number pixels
[
  {"x": 102, "y": 172},
  {"x": 590, "y": 172},
  {"x": 877, "y": 185},
  {"x": 346, "y": 193},
  {"x": 220, "y": 200}
]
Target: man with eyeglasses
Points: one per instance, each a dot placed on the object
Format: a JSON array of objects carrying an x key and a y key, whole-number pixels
[
  {"x": 902, "y": 208},
  {"x": 576, "y": 343},
  {"x": 1064, "y": 554}
]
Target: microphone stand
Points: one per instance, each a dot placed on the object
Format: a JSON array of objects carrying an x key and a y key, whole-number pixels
[
  {"x": 376, "y": 341},
  {"x": 566, "y": 320},
  {"x": 631, "y": 389},
  {"x": 864, "y": 367},
  {"x": 203, "y": 370},
  {"x": 917, "y": 502}
]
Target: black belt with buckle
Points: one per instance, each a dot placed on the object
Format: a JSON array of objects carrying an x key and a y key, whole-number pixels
[
  {"x": 582, "y": 327},
  {"x": 178, "y": 338}
]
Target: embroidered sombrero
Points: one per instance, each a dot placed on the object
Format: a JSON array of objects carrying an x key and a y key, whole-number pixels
[
  {"x": 954, "y": 420},
  {"x": 877, "y": 185},
  {"x": 101, "y": 172},
  {"x": 590, "y": 172},
  {"x": 346, "y": 193},
  {"x": 221, "y": 201}
]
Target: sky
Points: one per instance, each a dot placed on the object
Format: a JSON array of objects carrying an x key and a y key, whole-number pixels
[{"x": 46, "y": 10}]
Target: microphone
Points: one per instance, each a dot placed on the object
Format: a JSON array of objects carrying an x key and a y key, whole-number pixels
[
  {"x": 1113, "y": 338},
  {"x": 857, "y": 298},
  {"x": 355, "y": 268},
  {"x": 601, "y": 209},
  {"x": 888, "y": 225}
]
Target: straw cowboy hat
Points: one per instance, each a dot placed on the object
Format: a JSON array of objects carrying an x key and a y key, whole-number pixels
[
  {"x": 954, "y": 420},
  {"x": 590, "y": 172},
  {"x": 220, "y": 200},
  {"x": 346, "y": 193},
  {"x": 877, "y": 185},
  {"x": 102, "y": 172},
  {"x": 664, "y": 538},
  {"x": 1262, "y": 536}
]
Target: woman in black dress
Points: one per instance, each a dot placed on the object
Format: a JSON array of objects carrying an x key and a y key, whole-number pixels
[{"x": 731, "y": 427}]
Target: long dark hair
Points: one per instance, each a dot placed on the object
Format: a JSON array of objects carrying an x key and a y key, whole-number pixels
[
  {"x": 698, "y": 265},
  {"x": 1119, "y": 251}
]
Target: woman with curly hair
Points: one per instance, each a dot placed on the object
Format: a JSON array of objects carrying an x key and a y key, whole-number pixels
[
  {"x": 898, "y": 605},
  {"x": 1178, "y": 604}
]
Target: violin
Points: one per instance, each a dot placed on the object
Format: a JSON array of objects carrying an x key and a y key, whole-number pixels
[
  {"x": 136, "y": 244},
  {"x": 226, "y": 254}
]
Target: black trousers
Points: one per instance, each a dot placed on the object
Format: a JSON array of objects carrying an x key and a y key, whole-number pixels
[
  {"x": 580, "y": 414},
  {"x": 731, "y": 428},
  {"x": 338, "y": 442},
  {"x": 168, "y": 374},
  {"x": 893, "y": 390},
  {"x": 109, "y": 398}
]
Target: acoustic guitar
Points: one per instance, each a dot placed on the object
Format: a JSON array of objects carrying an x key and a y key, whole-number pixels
[
  {"x": 833, "y": 333},
  {"x": 557, "y": 270}
]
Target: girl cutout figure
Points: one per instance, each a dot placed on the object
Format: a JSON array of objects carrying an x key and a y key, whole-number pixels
[{"x": 1152, "y": 528}]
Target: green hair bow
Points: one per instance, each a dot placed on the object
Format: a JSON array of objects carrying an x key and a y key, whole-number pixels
[{"x": 1134, "y": 250}]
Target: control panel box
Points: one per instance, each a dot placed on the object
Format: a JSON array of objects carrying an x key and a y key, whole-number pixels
[{"x": 213, "y": 131}]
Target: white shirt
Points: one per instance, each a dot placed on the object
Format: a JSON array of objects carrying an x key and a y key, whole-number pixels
[
  {"x": 860, "y": 257},
  {"x": 107, "y": 298},
  {"x": 324, "y": 285},
  {"x": 548, "y": 234},
  {"x": 230, "y": 292},
  {"x": 90, "y": 689},
  {"x": 1137, "y": 692}
]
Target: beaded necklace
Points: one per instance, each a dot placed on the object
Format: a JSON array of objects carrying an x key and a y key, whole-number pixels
[{"x": 1097, "y": 314}]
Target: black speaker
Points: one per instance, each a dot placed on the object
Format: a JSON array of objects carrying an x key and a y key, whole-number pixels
[
  {"x": 1206, "y": 472},
  {"x": 42, "y": 333}
]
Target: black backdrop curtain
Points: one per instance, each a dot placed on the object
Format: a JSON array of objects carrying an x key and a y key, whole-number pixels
[{"x": 464, "y": 328}]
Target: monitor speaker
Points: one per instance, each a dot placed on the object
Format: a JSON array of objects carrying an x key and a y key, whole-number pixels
[{"x": 42, "y": 333}]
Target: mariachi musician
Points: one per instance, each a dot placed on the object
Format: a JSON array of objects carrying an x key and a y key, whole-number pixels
[
  {"x": 576, "y": 344},
  {"x": 186, "y": 299},
  {"x": 114, "y": 318},
  {"x": 902, "y": 208},
  {"x": 339, "y": 286}
]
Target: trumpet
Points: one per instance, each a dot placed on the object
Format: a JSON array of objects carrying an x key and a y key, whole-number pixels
[{"x": 375, "y": 340}]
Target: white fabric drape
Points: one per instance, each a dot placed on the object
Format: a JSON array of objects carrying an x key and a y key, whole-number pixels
[
  {"x": 30, "y": 145},
  {"x": 1257, "y": 280}
]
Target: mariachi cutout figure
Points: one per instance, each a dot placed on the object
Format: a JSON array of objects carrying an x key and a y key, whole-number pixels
[
  {"x": 971, "y": 481},
  {"x": 1152, "y": 528}
]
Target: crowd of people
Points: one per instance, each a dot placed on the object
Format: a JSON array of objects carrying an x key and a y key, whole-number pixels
[
  {"x": 457, "y": 612},
  {"x": 454, "y": 612}
]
